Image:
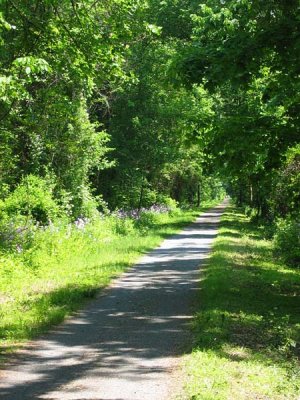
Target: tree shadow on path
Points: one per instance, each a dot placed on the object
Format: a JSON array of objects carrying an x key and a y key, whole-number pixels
[{"x": 130, "y": 334}]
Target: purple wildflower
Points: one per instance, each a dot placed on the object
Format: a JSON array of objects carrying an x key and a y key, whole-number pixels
[
  {"x": 19, "y": 248},
  {"x": 135, "y": 213},
  {"x": 81, "y": 222}
]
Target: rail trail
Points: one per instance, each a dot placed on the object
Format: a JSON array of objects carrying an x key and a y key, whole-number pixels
[{"x": 126, "y": 345}]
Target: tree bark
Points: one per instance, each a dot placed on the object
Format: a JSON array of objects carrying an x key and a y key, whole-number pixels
[{"x": 198, "y": 195}]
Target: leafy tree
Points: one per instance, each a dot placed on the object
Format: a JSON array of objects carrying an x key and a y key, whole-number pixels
[
  {"x": 245, "y": 53},
  {"x": 55, "y": 57},
  {"x": 75, "y": 75}
]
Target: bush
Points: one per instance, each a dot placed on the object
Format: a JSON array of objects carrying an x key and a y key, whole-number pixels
[
  {"x": 146, "y": 221},
  {"x": 287, "y": 240},
  {"x": 32, "y": 199},
  {"x": 285, "y": 198},
  {"x": 29, "y": 205},
  {"x": 122, "y": 226},
  {"x": 167, "y": 201}
]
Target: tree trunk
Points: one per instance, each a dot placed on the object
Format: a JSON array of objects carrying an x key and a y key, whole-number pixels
[
  {"x": 251, "y": 194},
  {"x": 198, "y": 195}
]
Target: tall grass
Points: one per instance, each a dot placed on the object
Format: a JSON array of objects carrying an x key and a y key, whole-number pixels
[
  {"x": 247, "y": 329},
  {"x": 59, "y": 267}
]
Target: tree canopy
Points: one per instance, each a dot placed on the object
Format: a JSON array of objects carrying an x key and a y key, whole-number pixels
[{"x": 138, "y": 101}]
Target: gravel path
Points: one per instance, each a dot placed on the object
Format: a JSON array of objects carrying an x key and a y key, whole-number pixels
[{"x": 126, "y": 345}]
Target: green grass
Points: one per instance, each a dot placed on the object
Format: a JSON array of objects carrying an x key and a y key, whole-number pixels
[
  {"x": 247, "y": 328},
  {"x": 63, "y": 267}
]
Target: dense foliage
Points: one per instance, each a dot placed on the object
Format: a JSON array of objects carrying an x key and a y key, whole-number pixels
[
  {"x": 80, "y": 78},
  {"x": 246, "y": 54},
  {"x": 130, "y": 103}
]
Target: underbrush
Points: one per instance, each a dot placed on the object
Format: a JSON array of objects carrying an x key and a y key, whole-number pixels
[
  {"x": 47, "y": 272},
  {"x": 247, "y": 329},
  {"x": 287, "y": 240}
]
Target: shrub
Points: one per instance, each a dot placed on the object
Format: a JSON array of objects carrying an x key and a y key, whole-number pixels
[
  {"x": 31, "y": 199},
  {"x": 123, "y": 226},
  {"x": 29, "y": 205},
  {"x": 285, "y": 198},
  {"x": 145, "y": 221},
  {"x": 287, "y": 240}
]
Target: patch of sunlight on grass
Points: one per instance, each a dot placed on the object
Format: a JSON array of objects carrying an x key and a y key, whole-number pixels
[{"x": 235, "y": 374}]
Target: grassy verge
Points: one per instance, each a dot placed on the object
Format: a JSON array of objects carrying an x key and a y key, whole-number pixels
[
  {"x": 65, "y": 266},
  {"x": 247, "y": 328}
]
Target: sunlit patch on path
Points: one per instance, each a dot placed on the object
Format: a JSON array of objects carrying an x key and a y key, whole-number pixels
[{"x": 126, "y": 344}]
